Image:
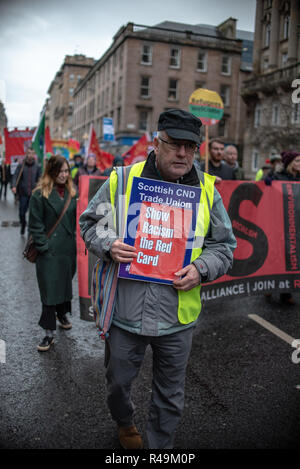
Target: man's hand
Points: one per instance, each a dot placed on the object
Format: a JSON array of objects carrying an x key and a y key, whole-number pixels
[
  {"x": 218, "y": 180},
  {"x": 190, "y": 278},
  {"x": 122, "y": 252},
  {"x": 14, "y": 190}
]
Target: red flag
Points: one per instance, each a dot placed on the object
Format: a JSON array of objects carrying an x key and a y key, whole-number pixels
[
  {"x": 103, "y": 158},
  {"x": 1, "y": 141},
  {"x": 48, "y": 142},
  {"x": 16, "y": 143},
  {"x": 138, "y": 152},
  {"x": 73, "y": 145}
]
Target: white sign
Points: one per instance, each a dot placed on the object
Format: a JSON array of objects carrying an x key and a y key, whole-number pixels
[{"x": 108, "y": 129}]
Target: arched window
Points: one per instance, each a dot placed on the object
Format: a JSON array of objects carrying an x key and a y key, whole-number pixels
[
  {"x": 267, "y": 35},
  {"x": 286, "y": 27}
]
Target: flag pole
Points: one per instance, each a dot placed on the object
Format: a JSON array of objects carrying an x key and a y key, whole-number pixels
[
  {"x": 206, "y": 148},
  {"x": 87, "y": 148}
]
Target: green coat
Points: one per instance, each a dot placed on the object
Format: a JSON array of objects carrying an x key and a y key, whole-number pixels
[{"x": 56, "y": 263}]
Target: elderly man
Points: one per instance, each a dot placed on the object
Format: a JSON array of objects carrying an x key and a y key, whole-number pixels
[
  {"x": 216, "y": 166},
  {"x": 231, "y": 158},
  {"x": 24, "y": 181},
  {"x": 146, "y": 313}
]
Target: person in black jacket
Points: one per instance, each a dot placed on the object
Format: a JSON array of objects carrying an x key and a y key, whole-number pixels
[
  {"x": 4, "y": 178},
  {"x": 216, "y": 166},
  {"x": 30, "y": 175}
]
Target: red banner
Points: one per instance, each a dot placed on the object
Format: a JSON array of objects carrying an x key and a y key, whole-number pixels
[
  {"x": 88, "y": 186},
  {"x": 265, "y": 221},
  {"x": 16, "y": 143}
]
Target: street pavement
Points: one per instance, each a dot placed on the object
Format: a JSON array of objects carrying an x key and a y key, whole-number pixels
[{"x": 242, "y": 383}]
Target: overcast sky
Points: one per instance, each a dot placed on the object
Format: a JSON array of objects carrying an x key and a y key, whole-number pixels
[{"x": 35, "y": 36}]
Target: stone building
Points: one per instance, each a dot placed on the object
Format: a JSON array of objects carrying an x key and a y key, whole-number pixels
[
  {"x": 3, "y": 124},
  {"x": 3, "y": 118},
  {"x": 60, "y": 104},
  {"x": 273, "y": 102},
  {"x": 149, "y": 69}
]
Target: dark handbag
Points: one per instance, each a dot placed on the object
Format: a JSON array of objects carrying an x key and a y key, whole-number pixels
[{"x": 30, "y": 251}]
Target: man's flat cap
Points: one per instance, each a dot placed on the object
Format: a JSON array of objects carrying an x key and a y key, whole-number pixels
[{"x": 180, "y": 124}]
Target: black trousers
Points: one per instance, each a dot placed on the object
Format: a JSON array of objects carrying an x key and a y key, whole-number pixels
[
  {"x": 3, "y": 186},
  {"x": 48, "y": 316},
  {"x": 23, "y": 207}
]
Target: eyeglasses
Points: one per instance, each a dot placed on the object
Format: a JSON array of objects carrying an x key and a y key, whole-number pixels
[{"x": 188, "y": 146}]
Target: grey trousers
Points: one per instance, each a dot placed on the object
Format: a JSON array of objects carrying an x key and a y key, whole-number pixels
[{"x": 170, "y": 357}]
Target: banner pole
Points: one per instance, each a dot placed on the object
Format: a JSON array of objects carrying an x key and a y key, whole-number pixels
[{"x": 206, "y": 148}]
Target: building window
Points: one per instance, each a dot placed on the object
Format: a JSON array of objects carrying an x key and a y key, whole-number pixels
[
  {"x": 173, "y": 89},
  {"x": 145, "y": 87},
  {"x": 275, "y": 114},
  {"x": 143, "y": 120},
  {"x": 202, "y": 61},
  {"x": 199, "y": 84},
  {"x": 121, "y": 57},
  {"x": 286, "y": 27},
  {"x": 71, "y": 91},
  {"x": 265, "y": 64},
  {"x": 118, "y": 118},
  {"x": 91, "y": 108},
  {"x": 268, "y": 3},
  {"x": 257, "y": 115},
  {"x": 225, "y": 94},
  {"x": 174, "y": 57},
  {"x": 284, "y": 59},
  {"x": 78, "y": 77},
  {"x": 120, "y": 89},
  {"x": 295, "y": 117},
  {"x": 113, "y": 90},
  {"x": 222, "y": 128},
  {"x": 146, "y": 58},
  {"x": 255, "y": 160},
  {"x": 267, "y": 35},
  {"x": 226, "y": 65},
  {"x": 71, "y": 76}
]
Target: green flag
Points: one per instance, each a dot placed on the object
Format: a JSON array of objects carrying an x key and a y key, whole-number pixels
[{"x": 38, "y": 140}]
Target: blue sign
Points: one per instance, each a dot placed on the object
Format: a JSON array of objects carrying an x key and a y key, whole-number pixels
[{"x": 108, "y": 129}]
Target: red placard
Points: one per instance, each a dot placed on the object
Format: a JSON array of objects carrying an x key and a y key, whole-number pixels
[{"x": 160, "y": 256}]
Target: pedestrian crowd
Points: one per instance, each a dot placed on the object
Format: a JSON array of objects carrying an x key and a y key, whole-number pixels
[{"x": 143, "y": 313}]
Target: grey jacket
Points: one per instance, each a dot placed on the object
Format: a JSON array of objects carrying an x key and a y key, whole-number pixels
[{"x": 151, "y": 308}]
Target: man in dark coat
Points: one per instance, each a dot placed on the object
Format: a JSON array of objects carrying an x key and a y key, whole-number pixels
[
  {"x": 4, "y": 178},
  {"x": 31, "y": 173},
  {"x": 231, "y": 158},
  {"x": 216, "y": 166}
]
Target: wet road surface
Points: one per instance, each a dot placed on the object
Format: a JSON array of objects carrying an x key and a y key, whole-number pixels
[{"x": 242, "y": 386}]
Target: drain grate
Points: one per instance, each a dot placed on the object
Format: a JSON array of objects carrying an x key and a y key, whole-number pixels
[{"x": 5, "y": 223}]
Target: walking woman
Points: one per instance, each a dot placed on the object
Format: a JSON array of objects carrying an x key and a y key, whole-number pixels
[{"x": 56, "y": 262}]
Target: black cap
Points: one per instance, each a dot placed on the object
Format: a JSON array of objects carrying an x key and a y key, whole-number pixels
[{"x": 180, "y": 124}]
